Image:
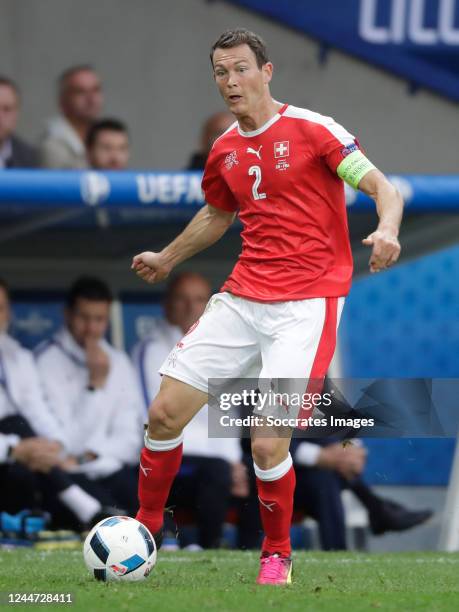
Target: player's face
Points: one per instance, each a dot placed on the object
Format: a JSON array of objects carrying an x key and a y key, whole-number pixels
[
  {"x": 110, "y": 151},
  {"x": 82, "y": 97},
  {"x": 242, "y": 84},
  {"x": 8, "y": 111},
  {"x": 188, "y": 302},
  {"x": 4, "y": 311},
  {"x": 88, "y": 320}
]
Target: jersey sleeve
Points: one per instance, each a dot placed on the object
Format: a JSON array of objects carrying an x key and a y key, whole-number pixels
[
  {"x": 216, "y": 191},
  {"x": 342, "y": 153}
]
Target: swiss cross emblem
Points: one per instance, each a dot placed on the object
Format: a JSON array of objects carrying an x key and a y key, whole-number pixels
[
  {"x": 281, "y": 149},
  {"x": 231, "y": 160}
]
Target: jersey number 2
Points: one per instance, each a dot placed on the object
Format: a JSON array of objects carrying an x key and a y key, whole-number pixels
[{"x": 256, "y": 171}]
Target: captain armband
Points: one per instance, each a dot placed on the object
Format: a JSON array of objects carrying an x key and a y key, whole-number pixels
[{"x": 354, "y": 167}]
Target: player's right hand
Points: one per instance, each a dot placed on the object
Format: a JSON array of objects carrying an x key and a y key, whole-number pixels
[{"x": 150, "y": 267}]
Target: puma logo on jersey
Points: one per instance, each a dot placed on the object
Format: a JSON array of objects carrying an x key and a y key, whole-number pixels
[
  {"x": 145, "y": 470},
  {"x": 268, "y": 505},
  {"x": 255, "y": 152}
]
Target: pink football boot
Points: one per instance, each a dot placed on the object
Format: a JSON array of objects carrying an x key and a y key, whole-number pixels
[{"x": 275, "y": 569}]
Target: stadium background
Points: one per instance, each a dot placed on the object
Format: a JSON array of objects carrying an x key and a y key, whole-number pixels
[{"x": 157, "y": 78}]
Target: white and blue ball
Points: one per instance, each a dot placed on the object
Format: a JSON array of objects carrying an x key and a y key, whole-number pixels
[{"x": 119, "y": 548}]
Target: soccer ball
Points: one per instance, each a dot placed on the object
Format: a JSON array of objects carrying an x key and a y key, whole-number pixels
[{"x": 119, "y": 548}]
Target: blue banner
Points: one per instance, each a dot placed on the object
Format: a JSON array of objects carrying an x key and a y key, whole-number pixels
[
  {"x": 70, "y": 188},
  {"x": 142, "y": 194},
  {"x": 415, "y": 39}
]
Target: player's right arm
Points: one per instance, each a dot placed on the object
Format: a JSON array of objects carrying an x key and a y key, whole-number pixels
[{"x": 206, "y": 227}]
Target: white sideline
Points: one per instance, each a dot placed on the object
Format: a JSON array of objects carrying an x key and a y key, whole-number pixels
[
  {"x": 302, "y": 557},
  {"x": 358, "y": 560},
  {"x": 449, "y": 534}
]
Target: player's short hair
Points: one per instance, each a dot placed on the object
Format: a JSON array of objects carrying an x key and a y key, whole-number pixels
[
  {"x": 89, "y": 288},
  {"x": 104, "y": 125},
  {"x": 242, "y": 36},
  {"x": 6, "y": 288},
  {"x": 69, "y": 72},
  {"x": 7, "y": 82}
]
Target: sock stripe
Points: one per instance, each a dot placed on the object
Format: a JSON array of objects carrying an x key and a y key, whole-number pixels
[
  {"x": 162, "y": 445},
  {"x": 274, "y": 473}
]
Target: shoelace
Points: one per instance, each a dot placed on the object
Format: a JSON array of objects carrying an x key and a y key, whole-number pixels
[{"x": 272, "y": 566}]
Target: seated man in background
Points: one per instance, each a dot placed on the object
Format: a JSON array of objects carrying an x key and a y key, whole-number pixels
[
  {"x": 107, "y": 145},
  {"x": 80, "y": 101},
  {"x": 20, "y": 462},
  {"x": 211, "y": 470},
  {"x": 31, "y": 477},
  {"x": 32, "y": 443},
  {"x": 323, "y": 470},
  {"x": 93, "y": 393},
  {"x": 213, "y": 128},
  {"x": 14, "y": 152}
]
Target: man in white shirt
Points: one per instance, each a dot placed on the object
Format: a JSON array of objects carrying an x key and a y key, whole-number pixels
[
  {"x": 80, "y": 103},
  {"x": 93, "y": 393},
  {"x": 32, "y": 443},
  {"x": 211, "y": 469}
]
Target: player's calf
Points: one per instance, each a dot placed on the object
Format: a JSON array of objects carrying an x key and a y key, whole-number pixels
[
  {"x": 161, "y": 456},
  {"x": 159, "y": 463}
]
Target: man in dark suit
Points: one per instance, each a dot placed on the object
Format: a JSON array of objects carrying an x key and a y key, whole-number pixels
[{"x": 14, "y": 152}]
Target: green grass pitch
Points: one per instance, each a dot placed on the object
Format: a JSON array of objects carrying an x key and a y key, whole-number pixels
[{"x": 223, "y": 580}]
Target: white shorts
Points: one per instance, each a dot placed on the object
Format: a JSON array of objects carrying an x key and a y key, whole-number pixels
[{"x": 240, "y": 338}]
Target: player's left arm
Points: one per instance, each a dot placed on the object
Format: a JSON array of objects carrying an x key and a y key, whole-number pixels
[
  {"x": 389, "y": 205},
  {"x": 353, "y": 167}
]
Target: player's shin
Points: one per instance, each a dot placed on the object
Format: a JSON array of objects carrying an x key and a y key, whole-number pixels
[
  {"x": 159, "y": 463},
  {"x": 276, "y": 487}
]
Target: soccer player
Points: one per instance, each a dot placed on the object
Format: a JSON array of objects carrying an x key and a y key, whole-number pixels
[{"x": 281, "y": 169}]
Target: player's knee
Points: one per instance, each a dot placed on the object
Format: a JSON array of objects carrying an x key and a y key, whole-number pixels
[
  {"x": 163, "y": 418},
  {"x": 266, "y": 453}
]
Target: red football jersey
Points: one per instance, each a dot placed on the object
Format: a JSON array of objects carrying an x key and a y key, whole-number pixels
[{"x": 282, "y": 180}]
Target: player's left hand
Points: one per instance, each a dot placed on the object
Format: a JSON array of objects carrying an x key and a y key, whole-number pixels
[{"x": 386, "y": 249}]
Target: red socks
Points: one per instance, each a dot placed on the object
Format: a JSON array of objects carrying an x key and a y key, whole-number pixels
[
  {"x": 275, "y": 493},
  {"x": 159, "y": 464}
]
